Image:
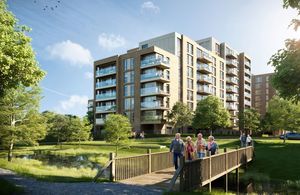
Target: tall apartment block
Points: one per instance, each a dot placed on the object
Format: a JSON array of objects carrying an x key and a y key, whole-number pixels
[
  {"x": 262, "y": 92},
  {"x": 147, "y": 81},
  {"x": 238, "y": 77}
]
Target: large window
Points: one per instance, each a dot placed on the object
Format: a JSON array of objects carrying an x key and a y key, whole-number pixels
[
  {"x": 128, "y": 64},
  {"x": 129, "y": 77},
  {"x": 190, "y": 83},
  {"x": 190, "y": 96},
  {"x": 128, "y": 103},
  {"x": 258, "y": 79},
  {"x": 190, "y": 72},
  {"x": 190, "y": 48},
  {"x": 129, "y": 90},
  {"x": 190, "y": 60}
]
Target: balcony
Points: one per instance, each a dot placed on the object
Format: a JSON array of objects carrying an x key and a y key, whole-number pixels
[
  {"x": 155, "y": 62},
  {"x": 201, "y": 97},
  {"x": 231, "y": 89},
  {"x": 232, "y": 80},
  {"x": 204, "y": 68},
  {"x": 247, "y": 63},
  {"x": 203, "y": 89},
  {"x": 106, "y": 84},
  {"x": 108, "y": 108},
  {"x": 247, "y": 103},
  {"x": 231, "y": 71},
  {"x": 204, "y": 57},
  {"x": 247, "y": 95},
  {"x": 232, "y": 63},
  {"x": 231, "y": 98},
  {"x": 248, "y": 71},
  {"x": 231, "y": 106},
  {"x": 231, "y": 54},
  {"x": 247, "y": 79},
  {"x": 155, "y": 76},
  {"x": 99, "y": 121},
  {"x": 248, "y": 87},
  {"x": 153, "y": 91},
  {"x": 204, "y": 79},
  {"x": 106, "y": 96},
  {"x": 154, "y": 105},
  {"x": 233, "y": 113},
  {"x": 106, "y": 71},
  {"x": 152, "y": 119}
]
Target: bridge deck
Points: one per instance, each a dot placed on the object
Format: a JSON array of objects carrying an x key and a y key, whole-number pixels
[{"x": 159, "y": 179}]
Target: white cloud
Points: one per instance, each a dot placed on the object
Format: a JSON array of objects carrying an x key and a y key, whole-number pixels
[
  {"x": 88, "y": 75},
  {"x": 111, "y": 41},
  {"x": 71, "y": 52},
  {"x": 149, "y": 6},
  {"x": 76, "y": 105}
]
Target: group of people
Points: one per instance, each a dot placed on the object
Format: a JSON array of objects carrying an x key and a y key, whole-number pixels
[
  {"x": 191, "y": 150},
  {"x": 245, "y": 140}
]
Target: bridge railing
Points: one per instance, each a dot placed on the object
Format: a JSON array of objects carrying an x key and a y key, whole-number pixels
[
  {"x": 132, "y": 166},
  {"x": 200, "y": 172}
]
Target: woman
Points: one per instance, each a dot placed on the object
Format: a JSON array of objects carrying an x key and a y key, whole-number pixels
[
  {"x": 200, "y": 146},
  {"x": 189, "y": 149},
  {"x": 212, "y": 146}
]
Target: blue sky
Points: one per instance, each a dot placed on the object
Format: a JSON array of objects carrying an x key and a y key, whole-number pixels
[{"x": 68, "y": 38}]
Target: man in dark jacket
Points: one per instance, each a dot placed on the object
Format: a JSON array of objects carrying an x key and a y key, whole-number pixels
[{"x": 177, "y": 147}]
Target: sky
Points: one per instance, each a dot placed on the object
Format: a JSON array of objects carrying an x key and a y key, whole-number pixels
[{"x": 68, "y": 35}]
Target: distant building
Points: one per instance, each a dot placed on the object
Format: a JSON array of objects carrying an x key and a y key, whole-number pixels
[
  {"x": 91, "y": 105},
  {"x": 262, "y": 92}
]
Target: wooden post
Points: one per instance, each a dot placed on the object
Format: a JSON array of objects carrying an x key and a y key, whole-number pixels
[
  {"x": 182, "y": 182},
  {"x": 237, "y": 180},
  {"x": 209, "y": 155},
  {"x": 112, "y": 168},
  {"x": 226, "y": 168},
  {"x": 149, "y": 161}
]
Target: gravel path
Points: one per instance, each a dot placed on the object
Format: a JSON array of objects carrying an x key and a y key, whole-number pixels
[{"x": 32, "y": 186}]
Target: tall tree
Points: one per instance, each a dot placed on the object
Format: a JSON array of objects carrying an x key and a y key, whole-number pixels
[
  {"x": 17, "y": 58},
  {"x": 286, "y": 79},
  {"x": 58, "y": 127},
  {"x": 20, "y": 121},
  {"x": 211, "y": 114},
  {"x": 250, "y": 119},
  {"x": 80, "y": 129},
  {"x": 180, "y": 115},
  {"x": 117, "y": 130}
]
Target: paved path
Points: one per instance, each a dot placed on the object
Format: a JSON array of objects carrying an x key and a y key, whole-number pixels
[
  {"x": 35, "y": 187},
  {"x": 158, "y": 179}
]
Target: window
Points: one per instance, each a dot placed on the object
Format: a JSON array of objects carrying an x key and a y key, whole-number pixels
[
  {"x": 214, "y": 61},
  {"x": 128, "y": 64},
  {"x": 222, "y": 74},
  {"x": 128, "y": 103},
  {"x": 258, "y": 79},
  {"x": 190, "y": 48},
  {"x": 213, "y": 91},
  {"x": 221, "y": 93},
  {"x": 190, "y": 105},
  {"x": 130, "y": 116},
  {"x": 221, "y": 84},
  {"x": 214, "y": 81},
  {"x": 178, "y": 47},
  {"x": 129, "y": 77},
  {"x": 222, "y": 65},
  {"x": 144, "y": 46},
  {"x": 217, "y": 48},
  {"x": 190, "y": 95},
  {"x": 129, "y": 90},
  {"x": 190, "y": 72},
  {"x": 190, "y": 83},
  {"x": 214, "y": 71},
  {"x": 190, "y": 60}
]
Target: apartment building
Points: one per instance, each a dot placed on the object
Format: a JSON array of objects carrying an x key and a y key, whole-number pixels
[
  {"x": 238, "y": 77},
  {"x": 262, "y": 92},
  {"x": 147, "y": 81}
]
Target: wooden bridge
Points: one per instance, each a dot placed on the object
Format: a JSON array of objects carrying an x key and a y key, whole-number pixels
[{"x": 156, "y": 169}]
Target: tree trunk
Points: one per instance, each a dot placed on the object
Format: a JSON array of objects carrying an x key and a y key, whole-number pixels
[
  {"x": 10, "y": 150},
  {"x": 116, "y": 149}
]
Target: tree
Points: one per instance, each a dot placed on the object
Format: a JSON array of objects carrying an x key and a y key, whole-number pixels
[
  {"x": 80, "y": 129},
  {"x": 180, "y": 115},
  {"x": 117, "y": 130},
  {"x": 286, "y": 78},
  {"x": 282, "y": 115},
  {"x": 211, "y": 114},
  {"x": 20, "y": 121},
  {"x": 58, "y": 127},
  {"x": 250, "y": 119},
  {"x": 17, "y": 58}
]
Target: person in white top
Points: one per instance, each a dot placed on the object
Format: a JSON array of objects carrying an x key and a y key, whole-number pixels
[
  {"x": 200, "y": 146},
  {"x": 249, "y": 140}
]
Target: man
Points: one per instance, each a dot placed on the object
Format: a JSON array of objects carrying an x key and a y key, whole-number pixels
[
  {"x": 200, "y": 145},
  {"x": 243, "y": 140},
  {"x": 177, "y": 147}
]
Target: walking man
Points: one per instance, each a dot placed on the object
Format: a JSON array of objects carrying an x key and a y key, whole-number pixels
[{"x": 177, "y": 147}]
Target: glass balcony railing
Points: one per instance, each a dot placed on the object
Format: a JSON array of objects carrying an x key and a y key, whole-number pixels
[
  {"x": 151, "y": 90},
  {"x": 247, "y": 102},
  {"x": 247, "y": 71},
  {"x": 106, "y": 108},
  {"x": 204, "y": 56},
  {"x": 105, "y": 71},
  {"x": 204, "y": 78},
  {"x": 247, "y": 63},
  {"x": 154, "y": 75},
  {"x": 247, "y": 94},
  {"x": 152, "y": 118},
  {"x": 204, "y": 67},
  {"x": 204, "y": 89},
  {"x": 231, "y": 62},
  {"x": 231, "y": 106},
  {"x": 106, "y": 83},
  {"x": 231, "y": 71},
  {"x": 154, "y": 61},
  {"x": 232, "y": 80},
  {"x": 231, "y": 53},
  {"x": 231, "y": 98},
  {"x": 99, "y": 121},
  {"x": 248, "y": 79},
  {"x": 105, "y": 96},
  {"x": 231, "y": 89},
  {"x": 153, "y": 104}
]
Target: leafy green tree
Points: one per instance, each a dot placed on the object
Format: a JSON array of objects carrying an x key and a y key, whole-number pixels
[
  {"x": 58, "y": 127},
  {"x": 180, "y": 115},
  {"x": 211, "y": 114},
  {"x": 117, "y": 130},
  {"x": 250, "y": 119},
  {"x": 20, "y": 121},
  {"x": 80, "y": 129},
  {"x": 17, "y": 58},
  {"x": 286, "y": 79}
]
